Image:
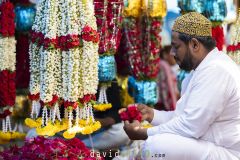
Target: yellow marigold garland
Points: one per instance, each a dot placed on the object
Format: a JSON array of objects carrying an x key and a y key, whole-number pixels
[
  {"x": 33, "y": 123},
  {"x": 102, "y": 107},
  {"x": 84, "y": 127},
  {"x": 7, "y": 136},
  {"x": 155, "y": 8},
  {"x": 132, "y": 8},
  {"x": 68, "y": 135}
]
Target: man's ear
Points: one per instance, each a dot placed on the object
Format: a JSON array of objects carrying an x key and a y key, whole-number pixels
[{"x": 194, "y": 44}]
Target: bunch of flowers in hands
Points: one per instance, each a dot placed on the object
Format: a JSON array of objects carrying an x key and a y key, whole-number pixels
[{"x": 131, "y": 113}]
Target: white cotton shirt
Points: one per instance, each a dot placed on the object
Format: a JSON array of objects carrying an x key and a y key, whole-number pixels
[{"x": 209, "y": 108}]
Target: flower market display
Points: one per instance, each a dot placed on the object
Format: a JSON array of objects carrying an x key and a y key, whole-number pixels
[
  {"x": 142, "y": 44},
  {"x": 109, "y": 20},
  {"x": 41, "y": 148},
  {"x": 7, "y": 71},
  {"x": 234, "y": 48},
  {"x": 64, "y": 67},
  {"x": 214, "y": 10}
]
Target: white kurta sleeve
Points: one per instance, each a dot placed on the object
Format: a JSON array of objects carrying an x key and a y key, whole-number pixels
[
  {"x": 203, "y": 105},
  {"x": 161, "y": 117}
]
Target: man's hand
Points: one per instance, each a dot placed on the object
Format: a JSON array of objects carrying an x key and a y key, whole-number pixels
[
  {"x": 135, "y": 131},
  {"x": 147, "y": 112}
]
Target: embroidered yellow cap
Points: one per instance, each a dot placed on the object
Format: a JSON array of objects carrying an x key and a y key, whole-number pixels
[{"x": 194, "y": 24}]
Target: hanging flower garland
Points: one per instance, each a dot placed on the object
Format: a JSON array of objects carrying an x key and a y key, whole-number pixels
[
  {"x": 155, "y": 8},
  {"x": 88, "y": 76},
  {"x": 63, "y": 67},
  {"x": 132, "y": 8},
  {"x": 109, "y": 18},
  {"x": 142, "y": 39},
  {"x": 233, "y": 49},
  {"x": 7, "y": 71}
]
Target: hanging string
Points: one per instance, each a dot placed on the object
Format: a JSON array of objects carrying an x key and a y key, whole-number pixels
[
  {"x": 15, "y": 127},
  {"x": 70, "y": 118},
  {"x": 103, "y": 95},
  {"x": 8, "y": 124},
  {"x": 58, "y": 113},
  {"x": 91, "y": 113},
  {"x": 3, "y": 125}
]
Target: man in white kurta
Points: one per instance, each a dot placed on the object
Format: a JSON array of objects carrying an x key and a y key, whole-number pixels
[{"x": 206, "y": 122}]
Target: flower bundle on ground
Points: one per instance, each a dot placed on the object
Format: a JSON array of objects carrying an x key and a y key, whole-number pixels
[{"x": 41, "y": 148}]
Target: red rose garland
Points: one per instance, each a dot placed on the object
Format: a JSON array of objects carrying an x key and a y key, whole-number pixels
[
  {"x": 7, "y": 71},
  {"x": 108, "y": 14},
  {"x": 132, "y": 113},
  {"x": 143, "y": 60},
  {"x": 65, "y": 42},
  {"x": 7, "y": 68},
  {"x": 131, "y": 45},
  {"x": 218, "y": 35},
  {"x": 7, "y": 27},
  {"x": 151, "y": 39}
]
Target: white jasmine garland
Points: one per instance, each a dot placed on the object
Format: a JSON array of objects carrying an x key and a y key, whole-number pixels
[
  {"x": 57, "y": 71},
  {"x": 39, "y": 18},
  {"x": 74, "y": 75},
  {"x": 7, "y": 53},
  {"x": 34, "y": 56},
  {"x": 90, "y": 52},
  {"x": 48, "y": 56},
  {"x": 47, "y": 80},
  {"x": 65, "y": 77},
  {"x": 74, "y": 68}
]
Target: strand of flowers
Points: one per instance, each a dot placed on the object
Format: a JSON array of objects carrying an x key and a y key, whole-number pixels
[
  {"x": 7, "y": 70},
  {"x": 8, "y": 62},
  {"x": 45, "y": 61},
  {"x": 109, "y": 18},
  {"x": 90, "y": 36},
  {"x": 34, "y": 57},
  {"x": 151, "y": 38},
  {"x": 7, "y": 27},
  {"x": 132, "y": 46},
  {"x": 88, "y": 65},
  {"x": 71, "y": 63},
  {"x": 233, "y": 49}
]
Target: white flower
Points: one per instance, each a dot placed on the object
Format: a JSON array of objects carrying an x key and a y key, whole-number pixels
[{"x": 7, "y": 53}]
